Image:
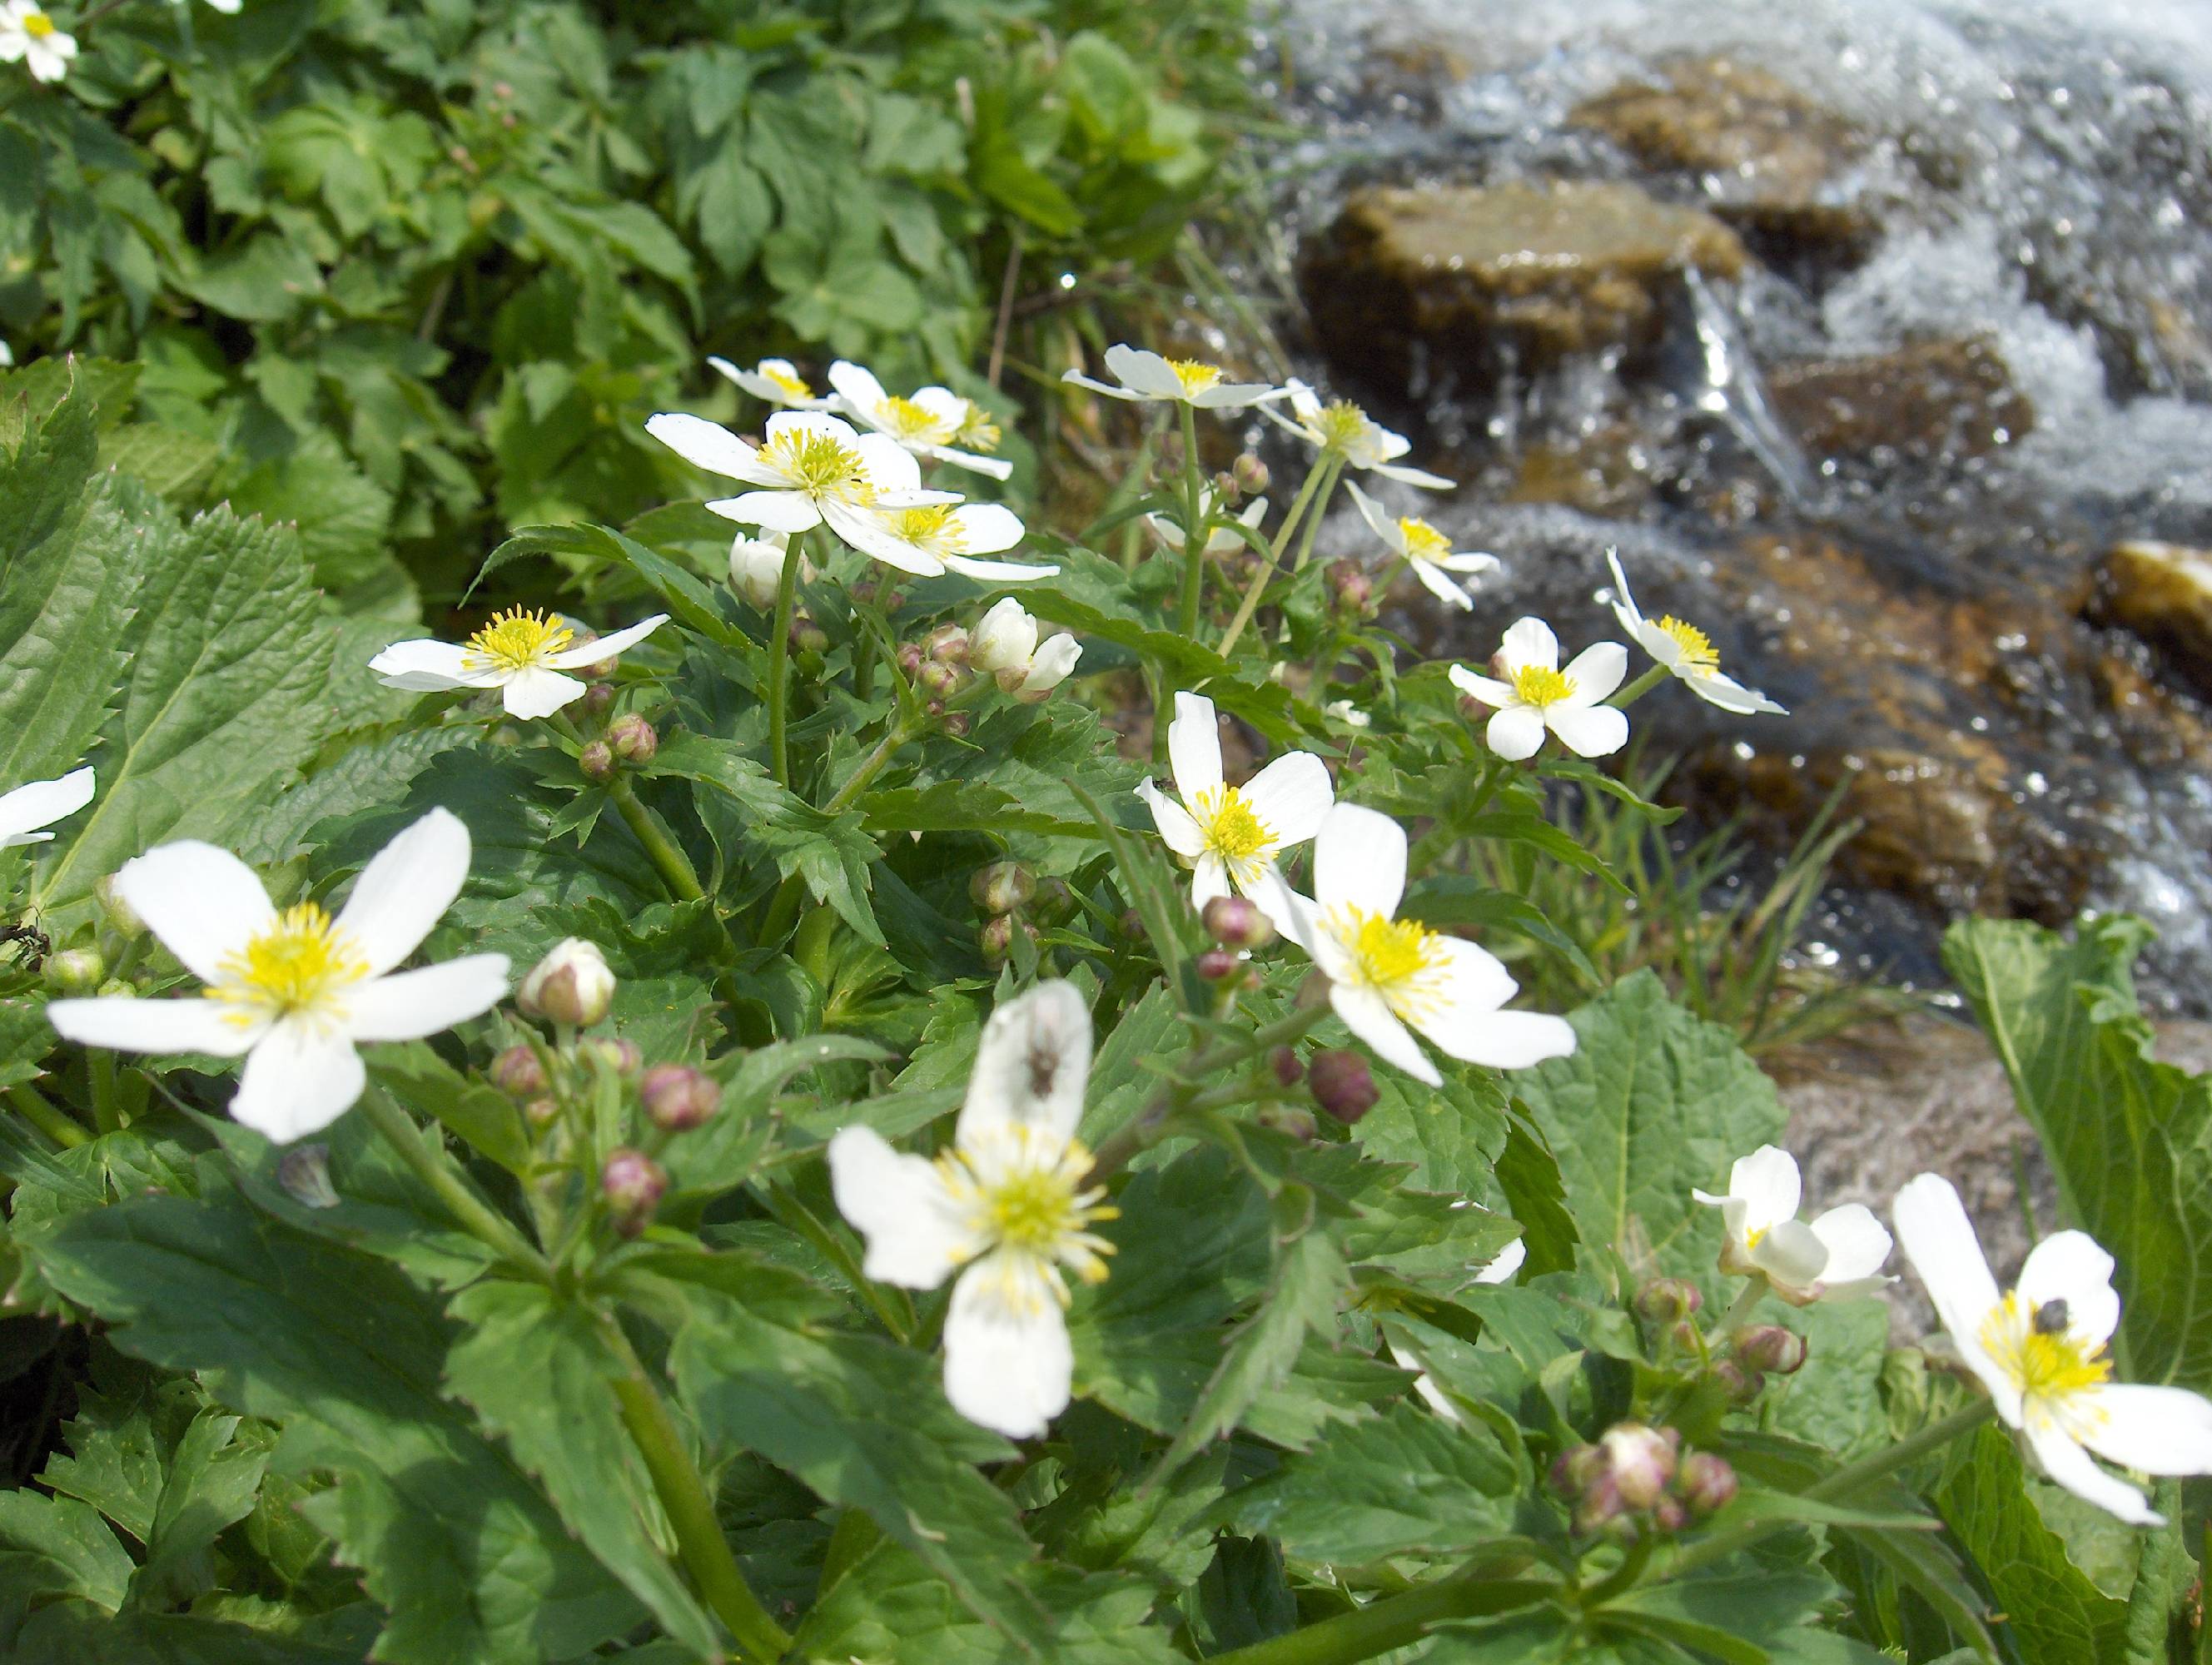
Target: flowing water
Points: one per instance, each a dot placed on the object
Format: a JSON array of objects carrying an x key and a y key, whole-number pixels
[{"x": 2016, "y": 198}]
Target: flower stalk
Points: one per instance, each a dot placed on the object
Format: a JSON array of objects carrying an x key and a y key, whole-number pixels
[
  {"x": 469, "y": 1210},
  {"x": 1193, "y": 526},
  {"x": 779, "y": 655}
]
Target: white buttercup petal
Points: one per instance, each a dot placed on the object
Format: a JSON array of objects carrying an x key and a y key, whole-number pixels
[
  {"x": 2070, "y": 1266},
  {"x": 1031, "y": 1064},
  {"x": 914, "y": 1234},
  {"x": 1938, "y": 1239},
  {"x": 2161, "y": 1430},
  {"x": 1857, "y": 1244},
  {"x": 606, "y": 648},
  {"x": 1369, "y": 1018},
  {"x": 1359, "y": 860},
  {"x": 1194, "y": 746},
  {"x": 300, "y": 1077},
  {"x": 187, "y": 1023},
  {"x": 1008, "y": 1363},
  {"x": 41, "y": 803},
  {"x": 710, "y": 446},
  {"x": 425, "y": 666},
  {"x": 1597, "y": 670},
  {"x": 1290, "y": 796},
  {"x": 785, "y": 512},
  {"x": 408, "y": 1005},
  {"x": 1529, "y": 641},
  {"x": 1593, "y": 731},
  {"x": 1770, "y": 1185},
  {"x": 2075, "y": 1469},
  {"x": 202, "y": 903},
  {"x": 1515, "y": 732},
  {"x": 404, "y": 889}
]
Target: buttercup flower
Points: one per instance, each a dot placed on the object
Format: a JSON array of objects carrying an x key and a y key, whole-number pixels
[
  {"x": 1006, "y": 645},
  {"x": 812, "y": 469},
  {"x": 295, "y": 991},
  {"x": 31, "y": 808},
  {"x": 1146, "y": 377},
  {"x": 523, "y": 654},
  {"x": 1005, "y": 1209},
  {"x": 1385, "y": 973},
  {"x": 28, "y": 34},
  {"x": 1837, "y": 1257},
  {"x": 938, "y": 537},
  {"x": 1536, "y": 695},
  {"x": 777, "y": 380},
  {"x": 757, "y": 567},
  {"x": 1687, "y": 651},
  {"x": 928, "y": 424},
  {"x": 2039, "y": 1350},
  {"x": 1423, "y": 548},
  {"x": 1342, "y": 429},
  {"x": 1231, "y": 837},
  {"x": 1220, "y": 540}
]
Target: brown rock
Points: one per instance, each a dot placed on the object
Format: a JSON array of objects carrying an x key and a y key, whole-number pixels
[
  {"x": 2163, "y": 593},
  {"x": 1938, "y": 401}
]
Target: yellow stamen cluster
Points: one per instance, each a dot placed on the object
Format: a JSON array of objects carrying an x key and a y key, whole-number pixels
[
  {"x": 518, "y": 638},
  {"x": 931, "y": 527},
  {"x": 2042, "y": 1364},
  {"x": 1339, "y": 424},
  {"x": 38, "y": 25},
  {"x": 1195, "y": 377},
  {"x": 1229, "y": 828},
  {"x": 1423, "y": 541},
  {"x": 1021, "y": 1190},
  {"x": 818, "y": 465},
  {"x": 977, "y": 431},
  {"x": 293, "y": 963},
  {"x": 910, "y": 421},
  {"x": 1539, "y": 685},
  {"x": 793, "y": 385},
  {"x": 1699, "y": 653},
  {"x": 1388, "y": 954}
]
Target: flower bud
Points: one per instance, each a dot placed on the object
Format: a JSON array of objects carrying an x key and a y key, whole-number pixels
[
  {"x": 909, "y": 659},
  {"x": 1741, "y": 1385},
  {"x": 1218, "y": 965},
  {"x": 1342, "y": 1084},
  {"x": 677, "y": 1097},
  {"x": 571, "y": 985},
  {"x": 1237, "y": 922},
  {"x": 76, "y": 971},
  {"x": 1131, "y": 925},
  {"x": 947, "y": 644},
  {"x": 957, "y": 723},
  {"x": 1663, "y": 1300},
  {"x": 1602, "y": 1506},
  {"x": 120, "y": 914},
  {"x": 1706, "y": 1482},
  {"x": 1640, "y": 1460},
  {"x": 1226, "y": 491},
  {"x": 518, "y": 1073},
  {"x": 1002, "y": 887},
  {"x": 598, "y": 668},
  {"x": 1772, "y": 1348},
  {"x": 633, "y": 738},
  {"x": 807, "y": 636},
  {"x": 1574, "y": 1468},
  {"x": 996, "y": 939},
  {"x": 1352, "y": 586},
  {"x": 1669, "y": 1515},
  {"x": 1472, "y": 709},
  {"x": 633, "y": 1184},
  {"x": 757, "y": 567},
  {"x": 1295, "y": 1120},
  {"x": 1289, "y": 1072},
  {"x": 1055, "y": 903},
  {"x": 1171, "y": 452},
  {"x": 597, "y": 760},
  {"x": 612, "y": 1053},
  {"x": 1250, "y": 474},
  {"x": 304, "y": 1171},
  {"x": 542, "y": 1112},
  {"x": 599, "y": 698},
  {"x": 939, "y": 679}
]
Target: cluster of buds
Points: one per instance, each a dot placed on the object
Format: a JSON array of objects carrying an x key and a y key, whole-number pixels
[
  {"x": 1351, "y": 589},
  {"x": 938, "y": 667},
  {"x": 1237, "y": 926},
  {"x": 1016, "y": 900},
  {"x": 629, "y": 740},
  {"x": 1248, "y": 477},
  {"x": 1762, "y": 1351},
  {"x": 1636, "y": 1475}
]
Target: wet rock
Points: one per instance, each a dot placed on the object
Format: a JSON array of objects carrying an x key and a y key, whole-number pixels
[
  {"x": 1477, "y": 279},
  {"x": 1606, "y": 473},
  {"x": 2163, "y": 593},
  {"x": 1934, "y": 401}
]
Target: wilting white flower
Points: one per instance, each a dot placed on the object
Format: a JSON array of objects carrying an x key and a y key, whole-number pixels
[
  {"x": 521, "y": 653},
  {"x": 777, "y": 380},
  {"x": 1342, "y": 429},
  {"x": 928, "y": 424},
  {"x": 1005, "y": 644},
  {"x": 1231, "y": 837},
  {"x": 1536, "y": 695},
  {"x": 1423, "y": 548},
  {"x": 1385, "y": 973},
  {"x": 1837, "y": 1257},
  {"x": 37, "y": 805},
  {"x": 1005, "y": 1208},
  {"x": 938, "y": 537},
  {"x": 757, "y": 567},
  {"x": 294, "y": 990},
  {"x": 1220, "y": 539},
  {"x": 1146, "y": 377},
  {"x": 813, "y": 468},
  {"x": 30, "y": 35},
  {"x": 1686, "y": 651},
  {"x": 2039, "y": 1350}
]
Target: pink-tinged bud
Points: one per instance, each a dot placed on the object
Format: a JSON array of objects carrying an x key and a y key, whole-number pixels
[
  {"x": 1771, "y": 1348},
  {"x": 947, "y": 644},
  {"x": 598, "y": 670},
  {"x": 1289, "y": 1070},
  {"x": 957, "y": 723},
  {"x": 633, "y": 738},
  {"x": 1131, "y": 925},
  {"x": 1002, "y": 887},
  {"x": 1601, "y": 1506},
  {"x": 997, "y": 938},
  {"x": 599, "y": 698},
  {"x": 1741, "y": 1385},
  {"x": 1705, "y": 1483},
  {"x": 1292, "y": 1119},
  {"x": 1354, "y": 589},
  {"x": 1237, "y": 922},
  {"x": 597, "y": 760},
  {"x": 863, "y": 592},
  {"x": 1219, "y": 964},
  {"x": 1686, "y": 1336},
  {"x": 613, "y": 1052},
  {"x": 677, "y": 1097},
  {"x": 1500, "y": 670},
  {"x": 1342, "y": 1085},
  {"x": 1250, "y": 473},
  {"x": 542, "y": 1112},
  {"x": 1226, "y": 491},
  {"x": 1473, "y": 710},
  {"x": 518, "y": 1073},
  {"x": 1665, "y": 1299},
  {"x": 1055, "y": 903},
  {"x": 807, "y": 636},
  {"x": 633, "y": 1184},
  {"x": 571, "y": 985},
  {"x": 938, "y": 680},
  {"x": 1171, "y": 452},
  {"x": 1574, "y": 1468},
  {"x": 1669, "y": 1515},
  {"x": 1641, "y": 1461},
  {"x": 909, "y": 658}
]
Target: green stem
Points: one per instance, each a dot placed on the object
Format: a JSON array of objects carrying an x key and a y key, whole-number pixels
[
  {"x": 1270, "y": 566},
  {"x": 1739, "y": 1309},
  {"x": 1315, "y": 515},
  {"x": 1150, "y": 1125},
  {"x": 99, "y": 1070},
  {"x": 796, "y": 1217},
  {"x": 689, "y": 1506},
  {"x": 870, "y": 767},
  {"x": 783, "y": 910},
  {"x": 1643, "y": 685},
  {"x": 54, "y": 1123},
  {"x": 1193, "y": 526},
  {"x": 779, "y": 658},
  {"x": 475, "y": 1215},
  {"x": 1396, "y": 1621},
  {"x": 666, "y": 854}
]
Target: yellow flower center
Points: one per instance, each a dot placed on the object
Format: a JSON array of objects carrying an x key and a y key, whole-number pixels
[
  {"x": 2042, "y": 1363},
  {"x": 1229, "y": 828},
  {"x": 296, "y": 963},
  {"x": 1388, "y": 954},
  {"x": 930, "y": 526},
  {"x": 977, "y": 431},
  {"x": 1021, "y": 1189},
  {"x": 1540, "y": 686},
  {"x": 818, "y": 465},
  {"x": 38, "y": 25},
  {"x": 1339, "y": 424},
  {"x": 787, "y": 380},
  {"x": 1699, "y": 653},
  {"x": 518, "y": 638},
  {"x": 910, "y": 421},
  {"x": 1423, "y": 541},
  {"x": 1195, "y": 376}
]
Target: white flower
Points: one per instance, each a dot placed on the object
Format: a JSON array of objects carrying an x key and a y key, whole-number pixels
[
  {"x": 775, "y": 379},
  {"x": 1536, "y": 695},
  {"x": 1232, "y": 837},
  {"x": 1005, "y": 644},
  {"x": 295, "y": 991},
  {"x": 813, "y": 468},
  {"x": 1687, "y": 652},
  {"x": 1146, "y": 377},
  {"x": 2039, "y": 1350},
  {"x": 927, "y": 424},
  {"x": 27, "y": 33},
  {"x": 938, "y": 537},
  {"x": 1837, "y": 1257},
  {"x": 1423, "y": 548},
  {"x": 1220, "y": 539},
  {"x": 1005, "y": 1208},
  {"x": 1385, "y": 973},
  {"x": 757, "y": 567},
  {"x": 37, "y": 805},
  {"x": 1342, "y": 429},
  {"x": 523, "y": 654},
  {"x": 573, "y": 984},
  {"x": 1347, "y": 714}
]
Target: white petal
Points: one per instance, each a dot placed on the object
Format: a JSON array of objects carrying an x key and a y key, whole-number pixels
[
  {"x": 1005, "y": 639},
  {"x": 1510, "y": 1259},
  {"x": 1529, "y": 641},
  {"x": 1857, "y": 1244},
  {"x": 1439, "y": 584},
  {"x": 534, "y": 692},
  {"x": 1503, "y": 1040},
  {"x": 41, "y": 803},
  {"x": 785, "y": 512},
  {"x": 1359, "y": 859},
  {"x": 2161, "y": 1430},
  {"x": 1049, "y": 665},
  {"x": 1411, "y": 477},
  {"x": 1470, "y": 562},
  {"x": 1008, "y": 1363},
  {"x": 899, "y": 1206},
  {"x": 857, "y": 387},
  {"x": 408, "y": 1005},
  {"x": 1290, "y": 796},
  {"x": 404, "y": 889},
  {"x": 1771, "y": 1188},
  {"x": 1938, "y": 1239},
  {"x": 890, "y": 467},
  {"x": 2075, "y": 1469},
  {"x": 1286, "y": 910},
  {"x": 996, "y": 572},
  {"x": 814, "y": 423},
  {"x": 425, "y": 666},
  {"x": 987, "y": 528},
  {"x": 187, "y": 1023},
  {"x": 1488, "y": 690},
  {"x": 1369, "y": 1017},
  {"x": 1590, "y": 730},
  {"x": 605, "y": 648},
  {"x": 1031, "y": 1064},
  {"x": 300, "y": 1077},
  {"x": 1597, "y": 670},
  {"x": 869, "y": 532},
  {"x": 1378, "y": 520},
  {"x": 1792, "y": 1254},
  {"x": 1143, "y": 371},
  {"x": 1624, "y": 606},
  {"x": 1515, "y": 732},
  {"x": 1194, "y": 747},
  {"x": 710, "y": 446},
  {"x": 1209, "y": 878},
  {"x": 1176, "y": 828},
  {"x": 2069, "y": 1267},
  {"x": 201, "y": 901},
  {"x": 1096, "y": 386},
  {"x": 998, "y": 468},
  {"x": 1236, "y": 395}
]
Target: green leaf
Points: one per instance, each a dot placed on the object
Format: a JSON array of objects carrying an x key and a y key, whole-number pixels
[{"x": 51, "y": 1546}]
